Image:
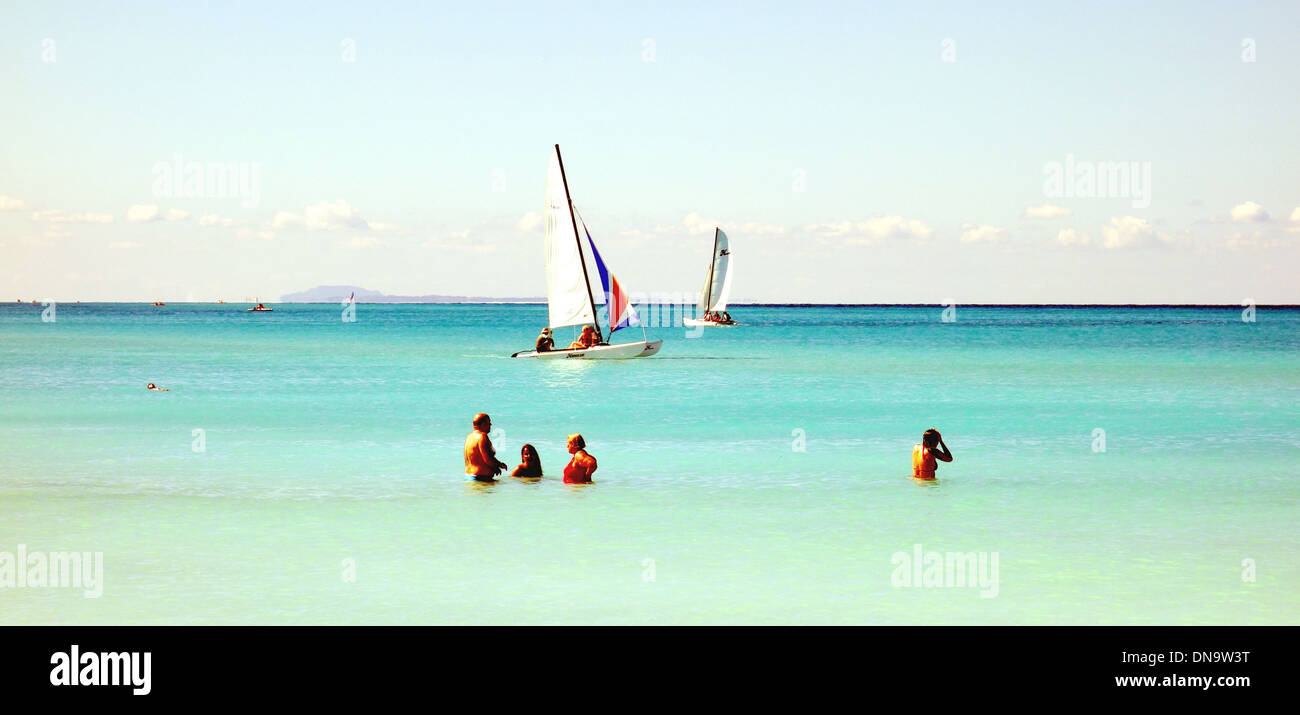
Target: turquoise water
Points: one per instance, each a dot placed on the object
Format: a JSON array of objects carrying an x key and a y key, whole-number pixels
[{"x": 335, "y": 447}]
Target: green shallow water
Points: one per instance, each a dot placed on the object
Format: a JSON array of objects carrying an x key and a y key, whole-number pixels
[{"x": 329, "y": 441}]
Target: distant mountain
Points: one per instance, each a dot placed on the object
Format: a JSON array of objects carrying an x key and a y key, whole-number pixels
[{"x": 338, "y": 294}]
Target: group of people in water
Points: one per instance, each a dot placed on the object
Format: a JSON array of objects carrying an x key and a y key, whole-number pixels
[
  {"x": 482, "y": 465},
  {"x": 588, "y": 339},
  {"x": 718, "y": 316}
]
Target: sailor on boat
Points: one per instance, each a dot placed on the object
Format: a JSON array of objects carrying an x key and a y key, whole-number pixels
[
  {"x": 545, "y": 343},
  {"x": 586, "y": 340}
]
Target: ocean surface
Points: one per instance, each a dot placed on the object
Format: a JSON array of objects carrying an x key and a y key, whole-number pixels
[{"x": 1123, "y": 466}]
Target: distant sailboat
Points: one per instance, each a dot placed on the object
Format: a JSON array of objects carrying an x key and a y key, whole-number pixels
[
  {"x": 569, "y": 297},
  {"x": 717, "y": 287}
]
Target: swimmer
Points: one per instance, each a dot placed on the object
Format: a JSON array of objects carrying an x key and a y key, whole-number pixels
[
  {"x": 481, "y": 463},
  {"x": 925, "y": 454},
  {"x": 531, "y": 467},
  {"x": 155, "y": 388},
  {"x": 583, "y": 465}
]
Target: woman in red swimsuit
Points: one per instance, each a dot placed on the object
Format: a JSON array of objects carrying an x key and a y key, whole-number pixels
[
  {"x": 583, "y": 465},
  {"x": 924, "y": 455}
]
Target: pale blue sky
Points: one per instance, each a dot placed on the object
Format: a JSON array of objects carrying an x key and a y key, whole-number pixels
[{"x": 900, "y": 153}]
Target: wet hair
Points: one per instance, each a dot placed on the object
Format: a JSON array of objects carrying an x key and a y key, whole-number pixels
[
  {"x": 576, "y": 439},
  {"x": 930, "y": 438},
  {"x": 527, "y": 449}
]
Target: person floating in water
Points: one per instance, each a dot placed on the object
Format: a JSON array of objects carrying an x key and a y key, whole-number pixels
[
  {"x": 586, "y": 340},
  {"x": 924, "y": 455},
  {"x": 583, "y": 465},
  {"x": 155, "y": 388},
  {"x": 545, "y": 343},
  {"x": 481, "y": 463},
  {"x": 531, "y": 466}
]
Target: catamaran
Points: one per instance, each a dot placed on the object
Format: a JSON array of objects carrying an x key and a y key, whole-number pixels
[
  {"x": 717, "y": 287},
  {"x": 570, "y": 300}
]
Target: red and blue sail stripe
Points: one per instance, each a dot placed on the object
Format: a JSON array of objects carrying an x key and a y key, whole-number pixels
[{"x": 621, "y": 312}]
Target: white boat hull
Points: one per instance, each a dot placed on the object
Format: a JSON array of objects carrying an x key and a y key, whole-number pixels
[
  {"x": 600, "y": 352},
  {"x": 696, "y": 323}
]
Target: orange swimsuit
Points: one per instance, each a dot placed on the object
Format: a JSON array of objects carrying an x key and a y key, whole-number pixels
[{"x": 923, "y": 462}]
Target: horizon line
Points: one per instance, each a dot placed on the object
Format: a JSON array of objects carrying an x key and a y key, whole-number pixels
[{"x": 754, "y": 305}]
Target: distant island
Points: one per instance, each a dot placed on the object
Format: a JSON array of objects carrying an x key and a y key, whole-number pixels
[{"x": 338, "y": 294}]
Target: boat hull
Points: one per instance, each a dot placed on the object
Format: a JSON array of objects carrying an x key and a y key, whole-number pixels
[
  {"x": 696, "y": 323},
  {"x": 623, "y": 351}
]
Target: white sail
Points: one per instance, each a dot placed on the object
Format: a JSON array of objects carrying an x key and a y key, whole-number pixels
[
  {"x": 720, "y": 303},
  {"x": 717, "y": 282},
  {"x": 567, "y": 295}
]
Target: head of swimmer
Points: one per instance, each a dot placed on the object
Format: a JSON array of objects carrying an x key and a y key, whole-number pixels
[
  {"x": 528, "y": 455},
  {"x": 931, "y": 438},
  {"x": 575, "y": 442},
  {"x": 482, "y": 422}
]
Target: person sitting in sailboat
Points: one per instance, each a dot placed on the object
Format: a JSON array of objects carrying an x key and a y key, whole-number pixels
[
  {"x": 586, "y": 340},
  {"x": 545, "y": 343}
]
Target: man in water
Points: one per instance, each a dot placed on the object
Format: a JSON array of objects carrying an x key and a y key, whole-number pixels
[
  {"x": 481, "y": 461},
  {"x": 925, "y": 454},
  {"x": 545, "y": 343},
  {"x": 154, "y": 387}
]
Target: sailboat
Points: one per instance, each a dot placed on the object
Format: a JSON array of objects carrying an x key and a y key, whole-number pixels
[
  {"x": 570, "y": 300},
  {"x": 717, "y": 287}
]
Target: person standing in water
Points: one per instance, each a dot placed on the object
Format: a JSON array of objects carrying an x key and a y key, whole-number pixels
[
  {"x": 583, "y": 465},
  {"x": 481, "y": 463},
  {"x": 530, "y": 466},
  {"x": 927, "y": 455}
]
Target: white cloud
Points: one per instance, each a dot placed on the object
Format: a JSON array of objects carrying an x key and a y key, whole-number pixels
[
  {"x": 1295, "y": 215},
  {"x": 1071, "y": 237},
  {"x": 1249, "y": 212},
  {"x": 697, "y": 224},
  {"x": 1046, "y": 211},
  {"x": 529, "y": 222},
  {"x": 9, "y": 203},
  {"x": 325, "y": 216},
  {"x": 1126, "y": 231},
  {"x": 146, "y": 213},
  {"x": 1252, "y": 241},
  {"x": 360, "y": 242},
  {"x": 60, "y": 216},
  {"x": 213, "y": 220},
  {"x": 124, "y": 244},
  {"x": 140, "y": 213},
  {"x": 978, "y": 233},
  {"x": 877, "y": 228}
]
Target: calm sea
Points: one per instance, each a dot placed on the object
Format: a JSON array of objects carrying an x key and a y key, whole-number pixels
[{"x": 1118, "y": 465}]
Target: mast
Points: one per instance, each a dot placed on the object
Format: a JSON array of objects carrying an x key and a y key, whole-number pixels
[
  {"x": 713, "y": 266},
  {"x": 591, "y": 300}
]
